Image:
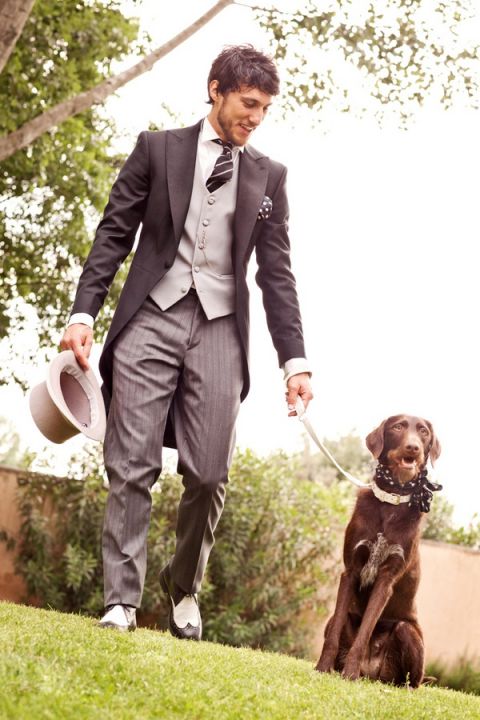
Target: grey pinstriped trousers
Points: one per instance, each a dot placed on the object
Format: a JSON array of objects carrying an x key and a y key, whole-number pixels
[{"x": 162, "y": 357}]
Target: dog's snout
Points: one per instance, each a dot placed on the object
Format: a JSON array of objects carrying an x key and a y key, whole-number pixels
[{"x": 412, "y": 446}]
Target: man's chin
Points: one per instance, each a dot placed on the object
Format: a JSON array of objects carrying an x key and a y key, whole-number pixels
[{"x": 241, "y": 138}]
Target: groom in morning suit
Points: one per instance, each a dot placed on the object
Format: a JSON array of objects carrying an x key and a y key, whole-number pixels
[{"x": 175, "y": 360}]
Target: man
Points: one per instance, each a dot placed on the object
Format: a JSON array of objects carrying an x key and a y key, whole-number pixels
[{"x": 177, "y": 347}]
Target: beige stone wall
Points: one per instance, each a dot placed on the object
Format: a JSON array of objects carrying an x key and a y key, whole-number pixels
[
  {"x": 11, "y": 586},
  {"x": 449, "y": 601},
  {"x": 448, "y": 598}
]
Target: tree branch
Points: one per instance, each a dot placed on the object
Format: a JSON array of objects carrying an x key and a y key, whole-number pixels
[
  {"x": 13, "y": 16},
  {"x": 19, "y": 139}
]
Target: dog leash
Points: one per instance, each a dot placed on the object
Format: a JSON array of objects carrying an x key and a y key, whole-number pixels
[{"x": 302, "y": 416}]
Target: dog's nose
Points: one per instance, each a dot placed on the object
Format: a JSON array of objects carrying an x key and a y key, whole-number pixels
[{"x": 413, "y": 447}]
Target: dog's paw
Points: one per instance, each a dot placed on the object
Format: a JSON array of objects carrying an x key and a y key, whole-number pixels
[
  {"x": 325, "y": 665},
  {"x": 351, "y": 671}
]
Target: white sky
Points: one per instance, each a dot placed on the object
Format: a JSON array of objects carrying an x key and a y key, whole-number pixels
[{"x": 383, "y": 225}]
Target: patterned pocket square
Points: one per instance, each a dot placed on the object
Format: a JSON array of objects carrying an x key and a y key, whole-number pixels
[{"x": 265, "y": 209}]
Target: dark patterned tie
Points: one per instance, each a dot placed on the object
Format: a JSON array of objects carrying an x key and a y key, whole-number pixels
[{"x": 223, "y": 169}]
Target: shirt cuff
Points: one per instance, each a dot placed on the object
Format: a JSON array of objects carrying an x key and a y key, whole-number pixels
[
  {"x": 294, "y": 366},
  {"x": 83, "y": 318}
]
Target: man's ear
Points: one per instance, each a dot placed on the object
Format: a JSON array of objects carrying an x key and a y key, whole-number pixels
[{"x": 213, "y": 90}]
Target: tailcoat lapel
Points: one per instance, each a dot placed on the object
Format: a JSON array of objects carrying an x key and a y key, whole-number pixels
[
  {"x": 181, "y": 152},
  {"x": 252, "y": 183}
]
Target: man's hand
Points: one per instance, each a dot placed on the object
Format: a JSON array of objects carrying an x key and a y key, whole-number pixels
[
  {"x": 298, "y": 385},
  {"x": 79, "y": 338}
]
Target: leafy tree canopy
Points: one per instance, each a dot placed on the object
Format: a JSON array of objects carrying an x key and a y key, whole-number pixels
[
  {"x": 339, "y": 54},
  {"x": 51, "y": 193},
  {"x": 388, "y": 56}
]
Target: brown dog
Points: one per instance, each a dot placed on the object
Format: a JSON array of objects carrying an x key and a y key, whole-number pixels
[{"x": 374, "y": 630}]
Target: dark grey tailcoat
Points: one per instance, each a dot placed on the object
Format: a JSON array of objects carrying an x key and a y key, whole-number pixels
[{"x": 154, "y": 188}]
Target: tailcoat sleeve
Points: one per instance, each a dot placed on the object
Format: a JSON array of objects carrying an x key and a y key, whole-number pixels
[
  {"x": 276, "y": 280},
  {"x": 116, "y": 231}
]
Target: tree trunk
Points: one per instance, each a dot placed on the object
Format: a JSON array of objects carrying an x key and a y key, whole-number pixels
[
  {"x": 13, "y": 15},
  {"x": 19, "y": 139}
]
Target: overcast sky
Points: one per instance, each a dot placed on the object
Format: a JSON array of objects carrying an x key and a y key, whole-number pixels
[{"x": 383, "y": 225}]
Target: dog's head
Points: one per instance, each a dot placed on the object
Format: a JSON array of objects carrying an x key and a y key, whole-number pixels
[{"x": 404, "y": 443}]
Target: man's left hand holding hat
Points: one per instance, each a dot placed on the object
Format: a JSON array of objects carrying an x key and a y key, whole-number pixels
[{"x": 78, "y": 337}]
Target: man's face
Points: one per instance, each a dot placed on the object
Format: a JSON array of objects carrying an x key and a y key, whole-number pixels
[{"x": 236, "y": 115}]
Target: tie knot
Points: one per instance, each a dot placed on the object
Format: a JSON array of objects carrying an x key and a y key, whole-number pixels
[
  {"x": 227, "y": 146},
  {"x": 223, "y": 169}
]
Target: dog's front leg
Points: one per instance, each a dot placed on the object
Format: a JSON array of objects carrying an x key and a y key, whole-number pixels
[
  {"x": 336, "y": 623},
  {"x": 379, "y": 597}
]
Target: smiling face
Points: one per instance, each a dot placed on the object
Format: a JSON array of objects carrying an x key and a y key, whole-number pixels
[
  {"x": 406, "y": 444},
  {"x": 403, "y": 443},
  {"x": 236, "y": 114}
]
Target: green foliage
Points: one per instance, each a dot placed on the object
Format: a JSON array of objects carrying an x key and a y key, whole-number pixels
[
  {"x": 393, "y": 55},
  {"x": 439, "y": 526},
  {"x": 439, "y": 522},
  {"x": 11, "y": 451},
  {"x": 277, "y": 551},
  {"x": 51, "y": 192},
  {"x": 269, "y": 573},
  {"x": 59, "y": 549},
  {"x": 464, "y": 676},
  {"x": 350, "y": 453}
]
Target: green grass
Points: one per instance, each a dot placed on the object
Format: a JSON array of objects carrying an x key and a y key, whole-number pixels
[{"x": 60, "y": 667}]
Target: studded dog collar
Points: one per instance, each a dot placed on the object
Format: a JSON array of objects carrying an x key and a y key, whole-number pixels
[
  {"x": 392, "y": 498},
  {"x": 422, "y": 489}
]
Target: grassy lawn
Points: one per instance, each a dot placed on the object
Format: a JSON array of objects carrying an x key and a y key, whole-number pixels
[{"x": 63, "y": 667}]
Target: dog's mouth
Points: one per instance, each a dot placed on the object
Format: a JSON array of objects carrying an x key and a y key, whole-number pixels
[
  {"x": 408, "y": 462},
  {"x": 404, "y": 466}
]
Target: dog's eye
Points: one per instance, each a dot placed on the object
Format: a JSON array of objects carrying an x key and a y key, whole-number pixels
[
  {"x": 423, "y": 430},
  {"x": 398, "y": 426}
]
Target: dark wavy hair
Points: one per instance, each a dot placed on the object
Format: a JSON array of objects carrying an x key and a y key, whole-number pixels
[{"x": 239, "y": 65}]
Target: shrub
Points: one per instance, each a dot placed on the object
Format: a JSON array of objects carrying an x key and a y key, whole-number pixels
[
  {"x": 465, "y": 675},
  {"x": 276, "y": 550},
  {"x": 439, "y": 526}
]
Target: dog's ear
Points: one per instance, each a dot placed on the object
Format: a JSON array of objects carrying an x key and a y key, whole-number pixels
[
  {"x": 375, "y": 440},
  {"x": 435, "y": 447}
]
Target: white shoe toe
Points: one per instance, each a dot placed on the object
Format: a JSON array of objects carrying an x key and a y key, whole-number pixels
[
  {"x": 119, "y": 617},
  {"x": 187, "y": 612}
]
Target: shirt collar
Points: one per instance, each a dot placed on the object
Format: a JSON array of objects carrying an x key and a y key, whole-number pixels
[{"x": 207, "y": 134}]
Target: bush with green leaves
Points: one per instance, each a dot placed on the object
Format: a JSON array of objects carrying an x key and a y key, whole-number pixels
[
  {"x": 464, "y": 675},
  {"x": 269, "y": 574},
  {"x": 440, "y": 526}
]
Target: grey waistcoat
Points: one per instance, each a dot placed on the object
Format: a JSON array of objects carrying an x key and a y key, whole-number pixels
[{"x": 204, "y": 256}]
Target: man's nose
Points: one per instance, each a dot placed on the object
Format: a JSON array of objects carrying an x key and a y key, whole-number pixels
[{"x": 255, "y": 117}]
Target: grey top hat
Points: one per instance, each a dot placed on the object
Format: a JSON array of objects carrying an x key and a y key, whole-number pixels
[{"x": 68, "y": 402}]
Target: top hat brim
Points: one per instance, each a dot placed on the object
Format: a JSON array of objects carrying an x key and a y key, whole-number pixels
[{"x": 68, "y": 402}]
